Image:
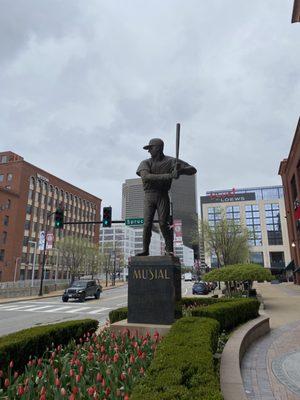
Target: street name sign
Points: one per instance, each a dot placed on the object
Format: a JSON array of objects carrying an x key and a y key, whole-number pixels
[{"x": 134, "y": 221}]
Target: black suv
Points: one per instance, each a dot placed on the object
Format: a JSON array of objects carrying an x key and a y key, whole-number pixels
[{"x": 82, "y": 289}]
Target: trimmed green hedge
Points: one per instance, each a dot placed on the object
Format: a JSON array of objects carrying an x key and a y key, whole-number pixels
[
  {"x": 33, "y": 342},
  {"x": 121, "y": 313},
  {"x": 118, "y": 314},
  {"x": 183, "y": 367},
  {"x": 230, "y": 313}
]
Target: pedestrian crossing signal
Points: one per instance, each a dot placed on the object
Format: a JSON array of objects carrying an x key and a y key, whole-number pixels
[
  {"x": 106, "y": 220},
  {"x": 59, "y": 218}
]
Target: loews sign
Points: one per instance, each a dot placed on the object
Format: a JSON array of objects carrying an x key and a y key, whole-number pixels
[{"x": 227, "y": 197}]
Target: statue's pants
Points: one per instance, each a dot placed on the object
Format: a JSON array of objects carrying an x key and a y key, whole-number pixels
[{"x": 157, "y": 201}]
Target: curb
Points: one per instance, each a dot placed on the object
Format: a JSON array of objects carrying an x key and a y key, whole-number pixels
[
  {"x": 230, "y": 373},
  {"x": 56, "y": 294}
]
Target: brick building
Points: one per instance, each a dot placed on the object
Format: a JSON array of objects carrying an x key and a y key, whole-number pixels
[
  {"x": 27, "y": 195},
  {"x": 290, "y": 173}
]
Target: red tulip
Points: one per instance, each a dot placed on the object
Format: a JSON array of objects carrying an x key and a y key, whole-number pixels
[
  {"x": 40, "y": 360},
  {"x": 63, "y": 391},
  {"x": 72, "y": 397},
  {"x": 16, "y": 374},
  {"x": 81, "y": 370},
  {"x": 75, "y": 390},
  {"x": 90, "y": 391},
  {"x": 11, "y": 364},
  {"x": 6, "y": 382},
  {"x": 123, "y": 376},
  {"x": 126, "y": 397},
  {"x": 43, "y": 390},
  {"x": 43, "y": 397},
  {"x": 57, "y": 382},
  {"x": 40, "y": 373},
  {"x": 77, "y": 378},
  {"x": 132, "y": 359},
  {"x": 107, "y": 391},
  {"x": 99, "y": 377},
  {"x": 116, "y": 357},
  {"x": 71, "y": 373},
  {"x": 20, "y": 391},
  {"x": 1, "y": 373}
]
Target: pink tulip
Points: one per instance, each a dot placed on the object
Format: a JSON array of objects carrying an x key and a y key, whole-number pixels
[
  {"x": 6, "y": 382},
  {"x": 63, "y": 391},
  {"x": 77, "y": 378},
  {"x": 71, "y": 373},
  {"x": 57, "y": 382},
  {"x": 11, "y": 364},
  {"x": 90, "y": 391},
  {"x": 16, "y": 374},
  {"x": 116, "y": 357},
  {"x": 99, "y": 377}
]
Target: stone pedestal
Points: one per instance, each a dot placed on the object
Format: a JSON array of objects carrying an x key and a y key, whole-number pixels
[{"x": 154, "y": 286}]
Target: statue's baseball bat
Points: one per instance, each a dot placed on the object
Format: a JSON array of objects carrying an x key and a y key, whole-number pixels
[{"x": 177, "y": 141}]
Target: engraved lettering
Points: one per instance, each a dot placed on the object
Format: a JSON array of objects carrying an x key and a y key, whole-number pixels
[
  {"x": 144, "y": 274},
  {"x": 166, "y": 274},
  {"x": 137, "y": 274},
  {"x": 151, "y": 275},
  {"x": 161, "y": 274}
]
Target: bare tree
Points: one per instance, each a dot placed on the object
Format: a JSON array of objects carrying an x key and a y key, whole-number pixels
[
  {"x": 73, "y": 252},
  {"x": 227, "y": 239}
]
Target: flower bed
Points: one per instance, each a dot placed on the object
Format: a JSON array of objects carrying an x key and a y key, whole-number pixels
[{"x": 99, "y": 367}]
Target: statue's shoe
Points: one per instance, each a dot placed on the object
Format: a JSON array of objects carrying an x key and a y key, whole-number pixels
[{"x": 143, "y": 253}]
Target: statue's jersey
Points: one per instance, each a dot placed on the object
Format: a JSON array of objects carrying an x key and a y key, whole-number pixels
[{"x": 156, "y": 167}]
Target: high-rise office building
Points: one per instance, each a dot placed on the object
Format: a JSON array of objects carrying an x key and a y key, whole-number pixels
[{"x": 183, "y": 196}]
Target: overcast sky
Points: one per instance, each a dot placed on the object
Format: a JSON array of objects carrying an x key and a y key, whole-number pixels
[{"x": 85, "y": 84}]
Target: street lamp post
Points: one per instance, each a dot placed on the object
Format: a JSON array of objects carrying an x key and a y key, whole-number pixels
[
  {"x": 44, "y": 256},
  {"x": 34, "y": 261}
]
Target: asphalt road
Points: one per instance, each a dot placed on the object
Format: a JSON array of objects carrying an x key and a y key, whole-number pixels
[{"x": 27, "y": 314}]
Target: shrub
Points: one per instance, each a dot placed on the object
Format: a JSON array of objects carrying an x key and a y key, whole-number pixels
[
  {"x": 230, "y": 313},
  {"x": 118, "y": 314},
  {"x": 32, "y": 342},
  {"x": 183, "y": 368}
]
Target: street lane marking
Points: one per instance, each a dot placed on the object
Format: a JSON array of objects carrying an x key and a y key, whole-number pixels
[
  {"x": 37, "y": 308},
  {"x": 58, "y": 309},
  {"x": 78, "y": 310},
  {"x": 8, "y": 308},
  {"x": 100, "y": 310}
]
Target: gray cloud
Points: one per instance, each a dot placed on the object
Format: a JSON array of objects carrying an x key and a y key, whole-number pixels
[{"x": 84, "y": 85}]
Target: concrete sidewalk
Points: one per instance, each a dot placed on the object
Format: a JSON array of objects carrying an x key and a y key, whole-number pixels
[
  {"x": 271, "y": 366},
  {"x": 53, "y": 294}
]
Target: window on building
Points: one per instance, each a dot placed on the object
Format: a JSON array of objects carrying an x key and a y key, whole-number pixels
[
  {"x": 256, "y": 257},
  {"x": 214, "y": 215},
  {"x": 273, "y": 224},
  {"x": 29, "y": 209},
  {"x": 277, "y": 259},
  {"x": 4, "y": 159},
  {"x": 27, "y": 225},
  {"x": 9, "y": 177},
  {"x": 294, "y": 188},
  {"x": 253, "y": 225},
  {"x": 1, "y": 177},
  {"x": 25, "y": 240},
  {"x": 4, "y": 237},
  {"x": 233, "y": 212},
  {"x": 2, "y": 254},
  {"x": 8, "y": 204},
  {"x": 6, "y": 220}
]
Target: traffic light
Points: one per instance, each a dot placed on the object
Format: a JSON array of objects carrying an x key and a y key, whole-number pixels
[
  {"x": 59, "y": 218},
  {"x": 106, "y": 220}
]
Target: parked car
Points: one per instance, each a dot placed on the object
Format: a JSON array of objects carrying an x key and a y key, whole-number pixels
[
  {"x": 188, "y": 276},
  {"x": 82, "y": 289},
  {"x": 200, "y": 288}
]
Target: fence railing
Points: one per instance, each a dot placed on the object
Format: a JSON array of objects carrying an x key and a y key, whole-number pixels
[{"x": 28, "y": 283}]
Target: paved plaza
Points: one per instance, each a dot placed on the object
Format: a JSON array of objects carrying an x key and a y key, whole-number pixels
[{"x": 271, "y": 366}]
